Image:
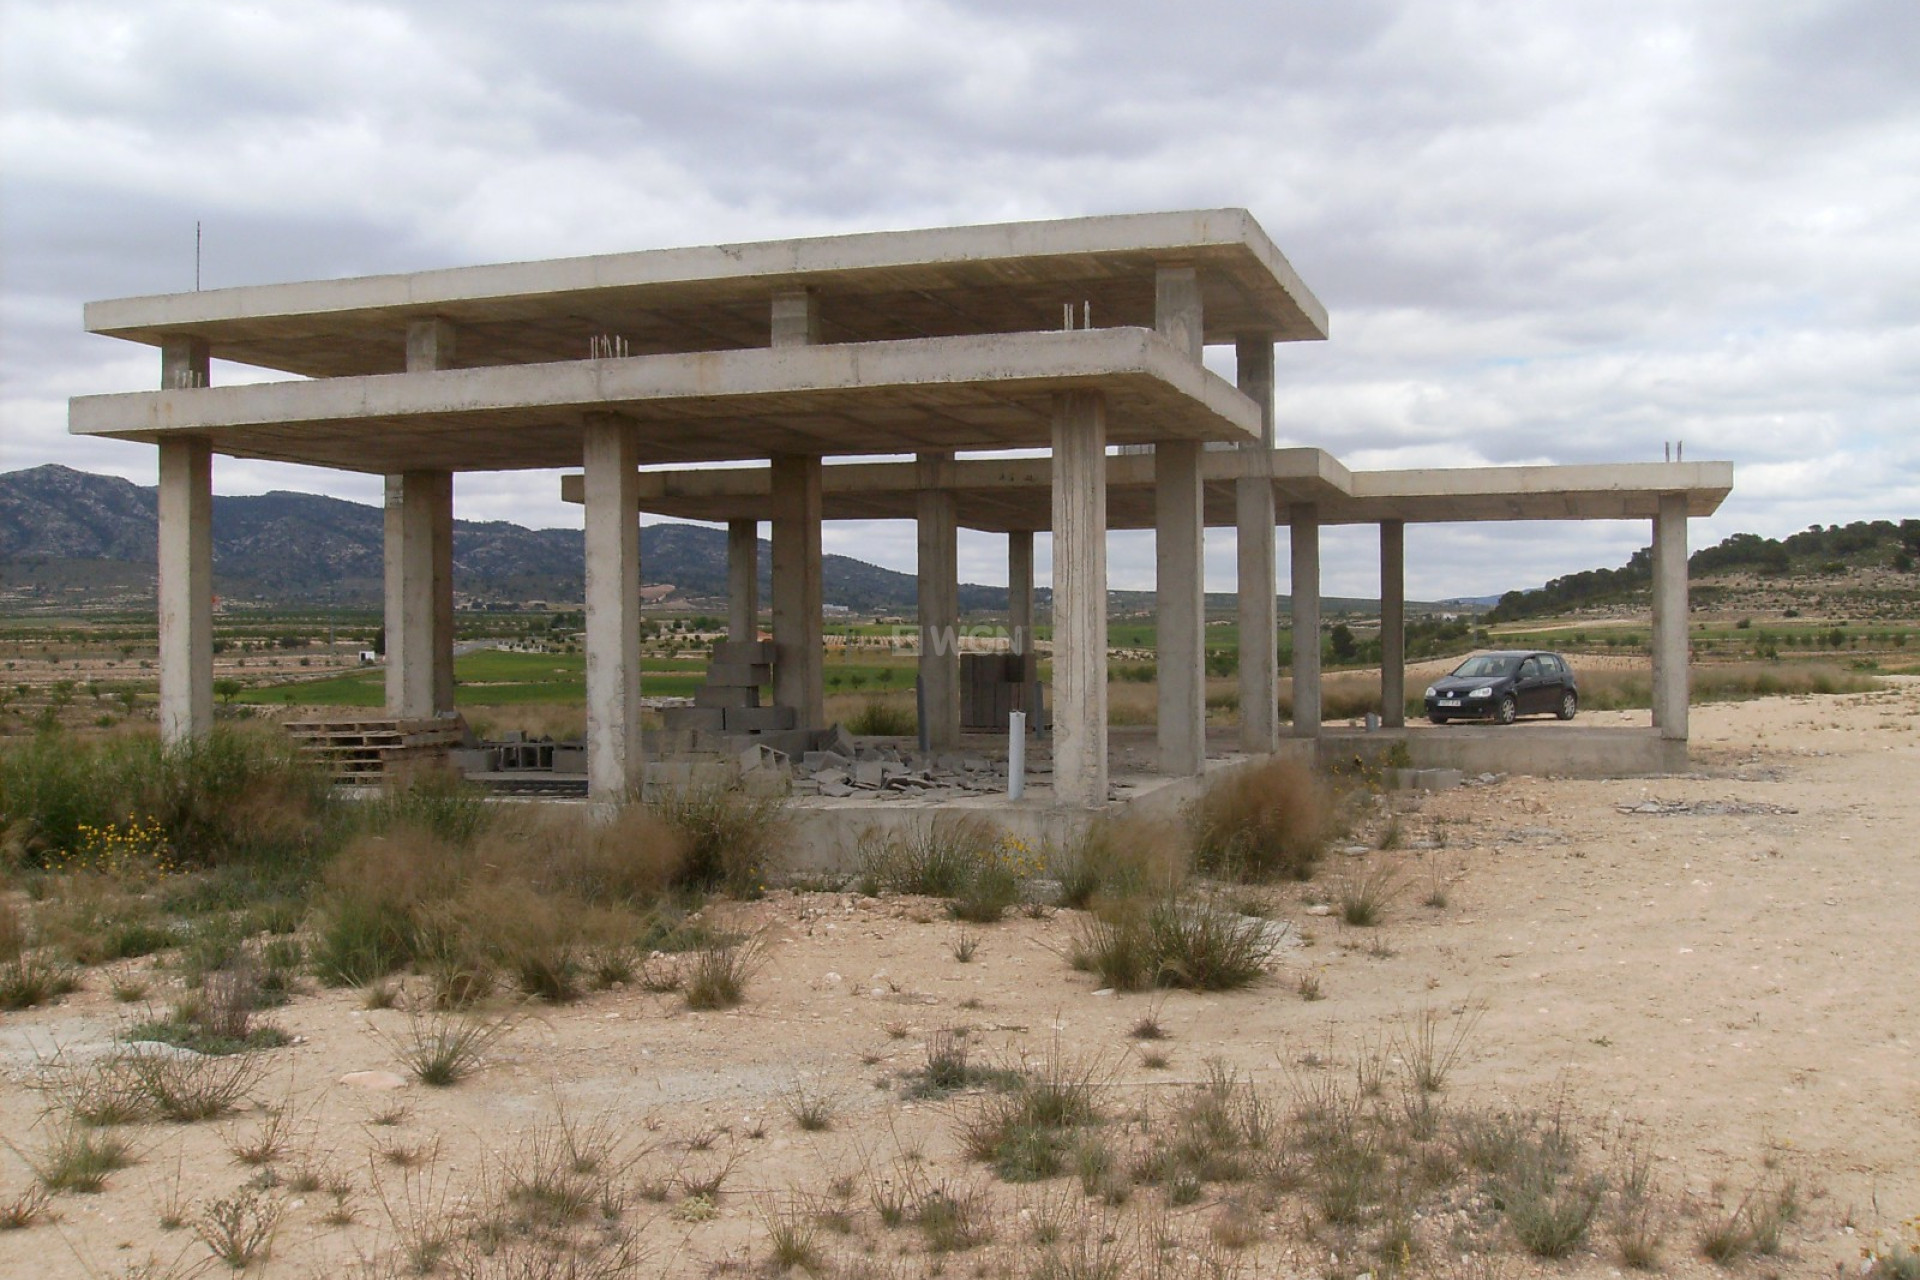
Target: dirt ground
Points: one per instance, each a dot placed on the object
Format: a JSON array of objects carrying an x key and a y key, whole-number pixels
[{"x": 1724, "y": 962}]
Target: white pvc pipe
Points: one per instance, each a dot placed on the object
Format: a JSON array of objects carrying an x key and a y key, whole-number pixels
[{"x": 1016, "y": 754}]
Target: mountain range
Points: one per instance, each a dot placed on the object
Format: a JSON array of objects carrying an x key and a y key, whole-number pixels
[{"x": 75, "y": 537}]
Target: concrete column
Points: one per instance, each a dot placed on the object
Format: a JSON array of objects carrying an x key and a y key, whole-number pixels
[
  {"x": 1177, "y": 311},
  {"x": 186, "y": 588},
  {"x": 797, "y": 675},
  {"x": 418, "y": 527},
  {"x": 419, "y": 579},
  {"x": 798, "y": 680},
  {"x": 939, "y": 601},
  {"x": 1670, "y": 664},
  {"x": 1020, "y": 589},
  {"x": 796, "y": 318},
  {"x": 1255, "y": 517},
  {"x": 1304, "y": 519},
  {"x": 743, "y": 579},
  {"x": 1393, "y": 624},
  {"x": 616, "y": 760},
  {"x": 1180, "y": 603},
  {"x": 1079, "y": 599}
]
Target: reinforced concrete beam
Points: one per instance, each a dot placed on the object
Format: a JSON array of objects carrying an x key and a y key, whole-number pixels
[
  {"x": 1671, "y": 676},
  {"x": 616, "y": 759},
  {"x": 1304, "y": 546},
  {"x": 1079, "y": 601},
  {"x": 938, "y": 585}
]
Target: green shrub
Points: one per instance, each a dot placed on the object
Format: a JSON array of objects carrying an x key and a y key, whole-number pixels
[
  {"x": 1171, "y": 942},
  {"x": 1120, "y": 858}
]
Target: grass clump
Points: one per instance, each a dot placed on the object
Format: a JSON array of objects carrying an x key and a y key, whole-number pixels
[
  {"x": 1118, "y": 859},
  {"x": 715, "y": 975},
  {"x": 1173, "y": 942},
  {"x": 33, "y": 979},
  {"x": 1364, "y": 893},
  {"x": 79, "y": 1159},
  {"x": 187, "y": 1088},
  {"x": 239, "y": 1229},
  {"x": 1754, "y": 1225},
  {"x": 443, "y": 1049},
  {"x": 881, "y": 716},
  {"x": 1027, "y": 1131},
  {"x": 1268, "y": 822},
  {"x": 980, "y": 870},
  {"x": 731, "y": 839}
]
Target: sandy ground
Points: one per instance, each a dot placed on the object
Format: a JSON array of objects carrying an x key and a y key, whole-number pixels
[{"x": 1725, "y": 959}]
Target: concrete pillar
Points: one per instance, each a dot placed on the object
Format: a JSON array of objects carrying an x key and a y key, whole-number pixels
[
  {"x": 186, "y": 588},
  {"x": 1020, "y": 590},
  {"x": 1180, "y": 605},
  {"x": 743, "y": 579},
  {"x": 797, "y": 675},
  {"x": 1255, "y": 517},
  {"x": 616, "y": 758},
  {"x": 1393, "y": 624},
  {"x": 1670, "y": 664},
  {"x": 798, "y": 680},
  {"x": 418, "y": 537},
  {"x": 939, "y": 601},
  {"x": 1080, "y": 599},
  {"x": 796, "y": 318},
  {"x": 419, "y": 562},
  {"x": 185, "y": 562},
  {"x": 1304, "y": 519},
  {"x": 1177, "y": 311}
]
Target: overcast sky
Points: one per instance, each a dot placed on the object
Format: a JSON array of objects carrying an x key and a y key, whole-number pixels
[{"x": 1560, "y": 233}]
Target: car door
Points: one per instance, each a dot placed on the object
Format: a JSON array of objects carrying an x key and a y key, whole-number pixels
[{"x": 1526, "y": 686}]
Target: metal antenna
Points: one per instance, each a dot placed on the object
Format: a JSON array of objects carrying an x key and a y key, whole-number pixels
[{"x": 196, "y": 255}]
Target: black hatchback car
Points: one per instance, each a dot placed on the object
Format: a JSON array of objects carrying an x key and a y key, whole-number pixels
[{"x": 1503, "y": 686}]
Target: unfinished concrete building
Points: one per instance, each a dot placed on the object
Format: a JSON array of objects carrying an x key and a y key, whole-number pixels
[{"x": 1069, "y": 336}]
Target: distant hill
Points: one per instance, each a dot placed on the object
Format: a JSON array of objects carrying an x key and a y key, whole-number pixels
[
  {"x": 1863, "y": 569},
  {"x": 78, "y": 537}
]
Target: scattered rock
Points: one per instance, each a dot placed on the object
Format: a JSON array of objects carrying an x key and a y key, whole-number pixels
[{"x": 376, "y": 1080}]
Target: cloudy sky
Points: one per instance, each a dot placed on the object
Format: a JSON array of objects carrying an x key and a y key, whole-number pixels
[{"x": 1545, "y": 233}]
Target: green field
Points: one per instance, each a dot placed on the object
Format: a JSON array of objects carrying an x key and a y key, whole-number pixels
[{"x": 489, "y": 678}]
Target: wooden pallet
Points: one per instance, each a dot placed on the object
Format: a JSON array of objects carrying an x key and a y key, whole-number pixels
[{"x": 373, "y": 751}]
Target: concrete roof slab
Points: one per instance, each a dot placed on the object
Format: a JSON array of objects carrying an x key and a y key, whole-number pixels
[
  {"x": 881, "y": 286},
  {"x": 989, "y": 392},
  {"x": 1003, "y": 494}
]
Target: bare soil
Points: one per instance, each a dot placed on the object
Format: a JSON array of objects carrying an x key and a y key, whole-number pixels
[{"x": 1724, "y": 961}]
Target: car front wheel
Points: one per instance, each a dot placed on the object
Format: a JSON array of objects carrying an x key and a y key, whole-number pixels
[
  {"x": 1509, "y": 709},
  {"x": 1437, "y": 718},
  {"x": 1569, "y": 704}
]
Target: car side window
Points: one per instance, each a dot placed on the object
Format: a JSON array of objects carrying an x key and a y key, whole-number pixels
[
  {"x": 1550, "y": 665},
  {"x": 1529, "y": 669}
]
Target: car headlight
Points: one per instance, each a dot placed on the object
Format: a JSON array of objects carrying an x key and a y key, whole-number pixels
[
  {"x": 1482, "y": 693},
  {"x": 1429, "y": 691}
]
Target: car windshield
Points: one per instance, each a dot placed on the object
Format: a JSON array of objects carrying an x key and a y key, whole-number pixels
[{"x": 1494, "y": 665}]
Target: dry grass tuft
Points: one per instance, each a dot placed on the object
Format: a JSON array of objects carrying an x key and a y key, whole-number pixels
[{"x": 1267, "y": 822}]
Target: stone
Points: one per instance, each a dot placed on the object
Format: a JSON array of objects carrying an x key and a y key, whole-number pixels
[
  {"x": 870, "y": 774},
  {"x": 838, "y": 740},
  {"x": 376, "y": 1080}
]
